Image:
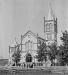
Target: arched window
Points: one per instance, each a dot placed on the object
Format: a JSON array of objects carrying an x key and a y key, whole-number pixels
[
  {"x": 29, "y": 45},
  {"x": 47, "y": 27},
  {"x": 28, "y": 57}
]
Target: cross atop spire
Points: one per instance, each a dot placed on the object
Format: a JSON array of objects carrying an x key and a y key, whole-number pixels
[{"x": 50, "y": 13}]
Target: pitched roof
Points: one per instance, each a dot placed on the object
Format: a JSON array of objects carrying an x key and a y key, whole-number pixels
[
  {"x": 23, "y": 36},
  {"x": 30, "y": 32}
]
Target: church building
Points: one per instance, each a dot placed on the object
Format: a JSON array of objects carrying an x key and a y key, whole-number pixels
[{"x": 30, "y": 41}]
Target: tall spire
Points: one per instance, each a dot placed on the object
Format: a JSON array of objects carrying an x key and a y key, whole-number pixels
[{"x": 50, "y": 13}]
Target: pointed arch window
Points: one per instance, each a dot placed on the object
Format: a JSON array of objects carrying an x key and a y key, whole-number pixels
[
  {"x": 47, "y": 27},
  {"x": 29, "y": 45}
]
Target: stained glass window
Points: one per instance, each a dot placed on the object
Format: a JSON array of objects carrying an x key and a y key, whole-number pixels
[{"x": 29, "y": 45}]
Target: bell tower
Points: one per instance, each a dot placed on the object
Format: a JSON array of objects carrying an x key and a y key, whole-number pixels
[{"x": 50, "y": 27}]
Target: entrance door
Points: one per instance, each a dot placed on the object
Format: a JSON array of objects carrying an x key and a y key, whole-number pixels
[{"x": 28, "y": 57}]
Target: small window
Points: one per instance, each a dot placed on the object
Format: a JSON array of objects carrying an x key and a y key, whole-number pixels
[
  {"x": 49, "y": 37},
  {"x": 12, "y": 49},
  {"x": 30, "y": 45}
]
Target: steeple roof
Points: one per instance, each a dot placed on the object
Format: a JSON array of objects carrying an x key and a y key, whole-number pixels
[{"x": 51, "y": 15}]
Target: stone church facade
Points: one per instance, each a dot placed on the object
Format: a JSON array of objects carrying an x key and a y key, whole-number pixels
[
  {"x": 29, "y": 45},
  {"x": 30, "y": 41}
]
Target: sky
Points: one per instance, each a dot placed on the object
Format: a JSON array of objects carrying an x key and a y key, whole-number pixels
[{"x": 19, "y": 16}]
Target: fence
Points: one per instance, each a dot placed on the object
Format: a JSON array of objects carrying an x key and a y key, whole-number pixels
[
  {"x": 29, "y": 72},
  {"x": 53, "y": 70},
  {"x": 32, "y": 65}
]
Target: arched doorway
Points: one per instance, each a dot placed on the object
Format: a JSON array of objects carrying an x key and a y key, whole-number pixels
[{"x": 28, "y": 57}]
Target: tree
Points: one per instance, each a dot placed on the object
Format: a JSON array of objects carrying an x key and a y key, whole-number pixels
[
  {"x": 61, "y": 56},
  {"x": 42, "y": 52},
  {"x": 16, "y": 56},
  {"x": 52, "y": 53},
  {"x": 64, "y": 49}
]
